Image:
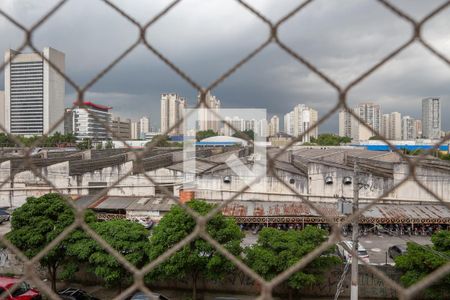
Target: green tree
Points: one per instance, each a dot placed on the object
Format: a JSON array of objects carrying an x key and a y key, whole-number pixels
[
  {"x": 99, "y": 146},
  {"x": 329, "y": 139},
  {"x": 86, "y": 144},
  {"x": 109, "y": 145},
  {"x": 5, "y": 141},
  {"x": 39, "y": 221},
  {"x": 276, "y": 250},
  {"x": 198, "y": 258},
  {"x": 127, "y": 237},
  {"x": 375, "y": 137},
  {"x": 419, "y": 261},
  {"x": 246, "y": 134},
  {"x": 200, "y": 135}
]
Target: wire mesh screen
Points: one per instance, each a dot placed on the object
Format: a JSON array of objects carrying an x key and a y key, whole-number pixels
[{"x": 142, "y": 159}]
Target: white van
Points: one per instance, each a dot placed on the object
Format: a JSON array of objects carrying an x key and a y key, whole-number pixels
[{"x": 362, "y": 252}]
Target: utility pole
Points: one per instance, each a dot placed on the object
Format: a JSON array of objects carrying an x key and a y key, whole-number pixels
[{"x": 355, "y": 233}]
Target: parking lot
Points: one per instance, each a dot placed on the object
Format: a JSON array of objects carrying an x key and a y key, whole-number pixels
[{"x": 376, "y": 246}]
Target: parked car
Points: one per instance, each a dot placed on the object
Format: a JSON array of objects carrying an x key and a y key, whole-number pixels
[
  {"x": 22, "y": 292},
  {"x": 75, "y": 294},
  {"x": 4, "y": 216},
  {"x": 396, "y": 250},
  {"x": 143, "y": 296},
  {"x": 362, "y": 252}
]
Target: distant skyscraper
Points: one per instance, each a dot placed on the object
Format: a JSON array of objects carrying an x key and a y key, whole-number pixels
[
  {"x": 34, "y": 92},
  {"x": 345, "y": 124},
  {"x": 287, "y": 122},
  {"x": 300, "y": 119},
  {"x": 2, "y": 109},
  {"x": 207, "y": 119},
  {"x": 135, "y": 130},
  {"x": 274, "y": 125},
  {"x": 408, "y": 128},
  {"x": 144, "y": 126},
  {"x": 385, "y": 126},
  {"x": 418, "y": 125},
  {"x": 172, "y": 110},
  {"x": 369, "y": 112},
  {"x": 431, "y": 118},
  {"x": 395, "y": 126}
]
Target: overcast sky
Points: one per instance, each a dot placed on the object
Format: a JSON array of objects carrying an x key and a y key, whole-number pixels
[{"x": 206, "y": 37}]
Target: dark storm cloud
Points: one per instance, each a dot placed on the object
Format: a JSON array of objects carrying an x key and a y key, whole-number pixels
[{"x": 205, "y": 38}]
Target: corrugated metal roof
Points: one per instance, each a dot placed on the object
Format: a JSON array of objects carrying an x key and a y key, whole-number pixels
[{"x": 115, "y": 202}]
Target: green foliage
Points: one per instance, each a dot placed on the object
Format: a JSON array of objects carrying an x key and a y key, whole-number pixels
[
  {"x": 198, "y": 258},
  {"x": 277, "y": 250},
  {"x": 86, "y": 144},
  {"x": 47, "y": 141},
  {"x": 419, "y": 261},
  {"x": 375, "y": 137},
  {"x": 39, "y": 221},
  {"x": 127, "y": 237},
  {"x": 99, "y": 146},
  {"x": 246, "y": 134},
  {"x": 200, "y": 135},
  {"x": 329, "y": 139},
  {"x": 109, "y": 145},
  {"x": 159, "y": 140}
]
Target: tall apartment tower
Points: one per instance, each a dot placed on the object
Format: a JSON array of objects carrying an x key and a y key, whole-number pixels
[
  {"x": 300, "y": 119},
  {"x": 395, "y": 126},
  {"x": 431, "y": 118},
  {"x": 287, "y": 120},
  {"x": 144, "y": 126},
  {"x": 207, "y": 119},
  {"x": 172, "y": 110},
  {"x": 135, "y": 130},
  {"x": 2, "y": 110},
  {"x": 34, "y": 92},
  {"x": 345, "y": 123},
  {"x": 385, "y": 126},
  {"x": 274, "y": 125},
  {"x": 409, "y": 128},
  {"x": 370, "y": 113}
]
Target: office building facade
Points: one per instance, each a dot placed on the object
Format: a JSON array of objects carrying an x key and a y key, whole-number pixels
[
  {"x": 34, "y": 92},
  {"x": 89, "y": 121},
  {"x": 431, "y": 118}
]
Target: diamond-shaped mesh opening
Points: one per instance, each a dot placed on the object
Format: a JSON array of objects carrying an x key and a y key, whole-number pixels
[{"x": 209, "y": 243}]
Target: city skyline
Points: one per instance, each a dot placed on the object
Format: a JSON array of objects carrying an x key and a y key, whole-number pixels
[{"x": 272, "y": 79}]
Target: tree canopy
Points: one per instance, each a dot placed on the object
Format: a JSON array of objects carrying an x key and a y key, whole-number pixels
[
  {"x": 54, "y": 140},
  {"x": 127, "y": 237},
  {"x": 246, "y": 134},
  {"x": 276, "y": 250},
  {"x": 200, "y": 135},
  {"x": 39, "y": 221},
  {"x": 329, "y": 139},
  {"x": 419, "y": 261},
  {"x": 198, "y": 258}
]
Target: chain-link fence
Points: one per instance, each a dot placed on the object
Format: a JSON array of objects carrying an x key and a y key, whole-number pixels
[{"x": 200, "y": 230}]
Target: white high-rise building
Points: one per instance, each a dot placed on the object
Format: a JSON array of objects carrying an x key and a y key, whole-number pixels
[
  {"x": 288, "y": 125},
  {"x": 144, "y": 126},
  {"x": 408, "y": 128},
  {"x": 395, "y": 126},
  {"x": 345, "y": 123},
  {"x": 385, "y": 126},
  {"x": 34, "y": 92},
  {"x": 135, "y": 130},
  {"x": 418, "y": 125},
  {"x": 172, "y": 110},
  {"x": 370, "y": 113},
  {"x": 300, "y": 119},
  {"x": 207, "y": 119},
  {"x": 2, "y": 110},
  {"x": 274, "y": 125},
  {"x": 431, "y": 118},
  {"x": 89, "y": 121}
]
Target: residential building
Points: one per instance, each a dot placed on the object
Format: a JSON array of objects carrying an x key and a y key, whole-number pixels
[
  {"x": 395, "y": 126},
  {"x": 34, "y": 92},
  {"x": 345, "y": 124},
  {"x": 408, "y": 128},
  {"x": 360, "y": 131},
  {"x": 89, "y": 121},
  {"x": 208, "y": 115},
  {"x": 370, "y": 113},
  {"x": 121, "y": 128},
  {"x": 288, "y": 125},
  {"x": 172, "y": 110},
  {"x": 300, "y": 120},
  {"x": 236, "y": 124},
  {"x": 431, "y": 118},
  {"x": 385, "y": 126},
  {"x": 2, "y": 110},
  {"x": 274, "y": 125},
  {"x": 144, "y": 126},
  {"x": 135, "y": 130},
  {"x": 418, "y": 125}
]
